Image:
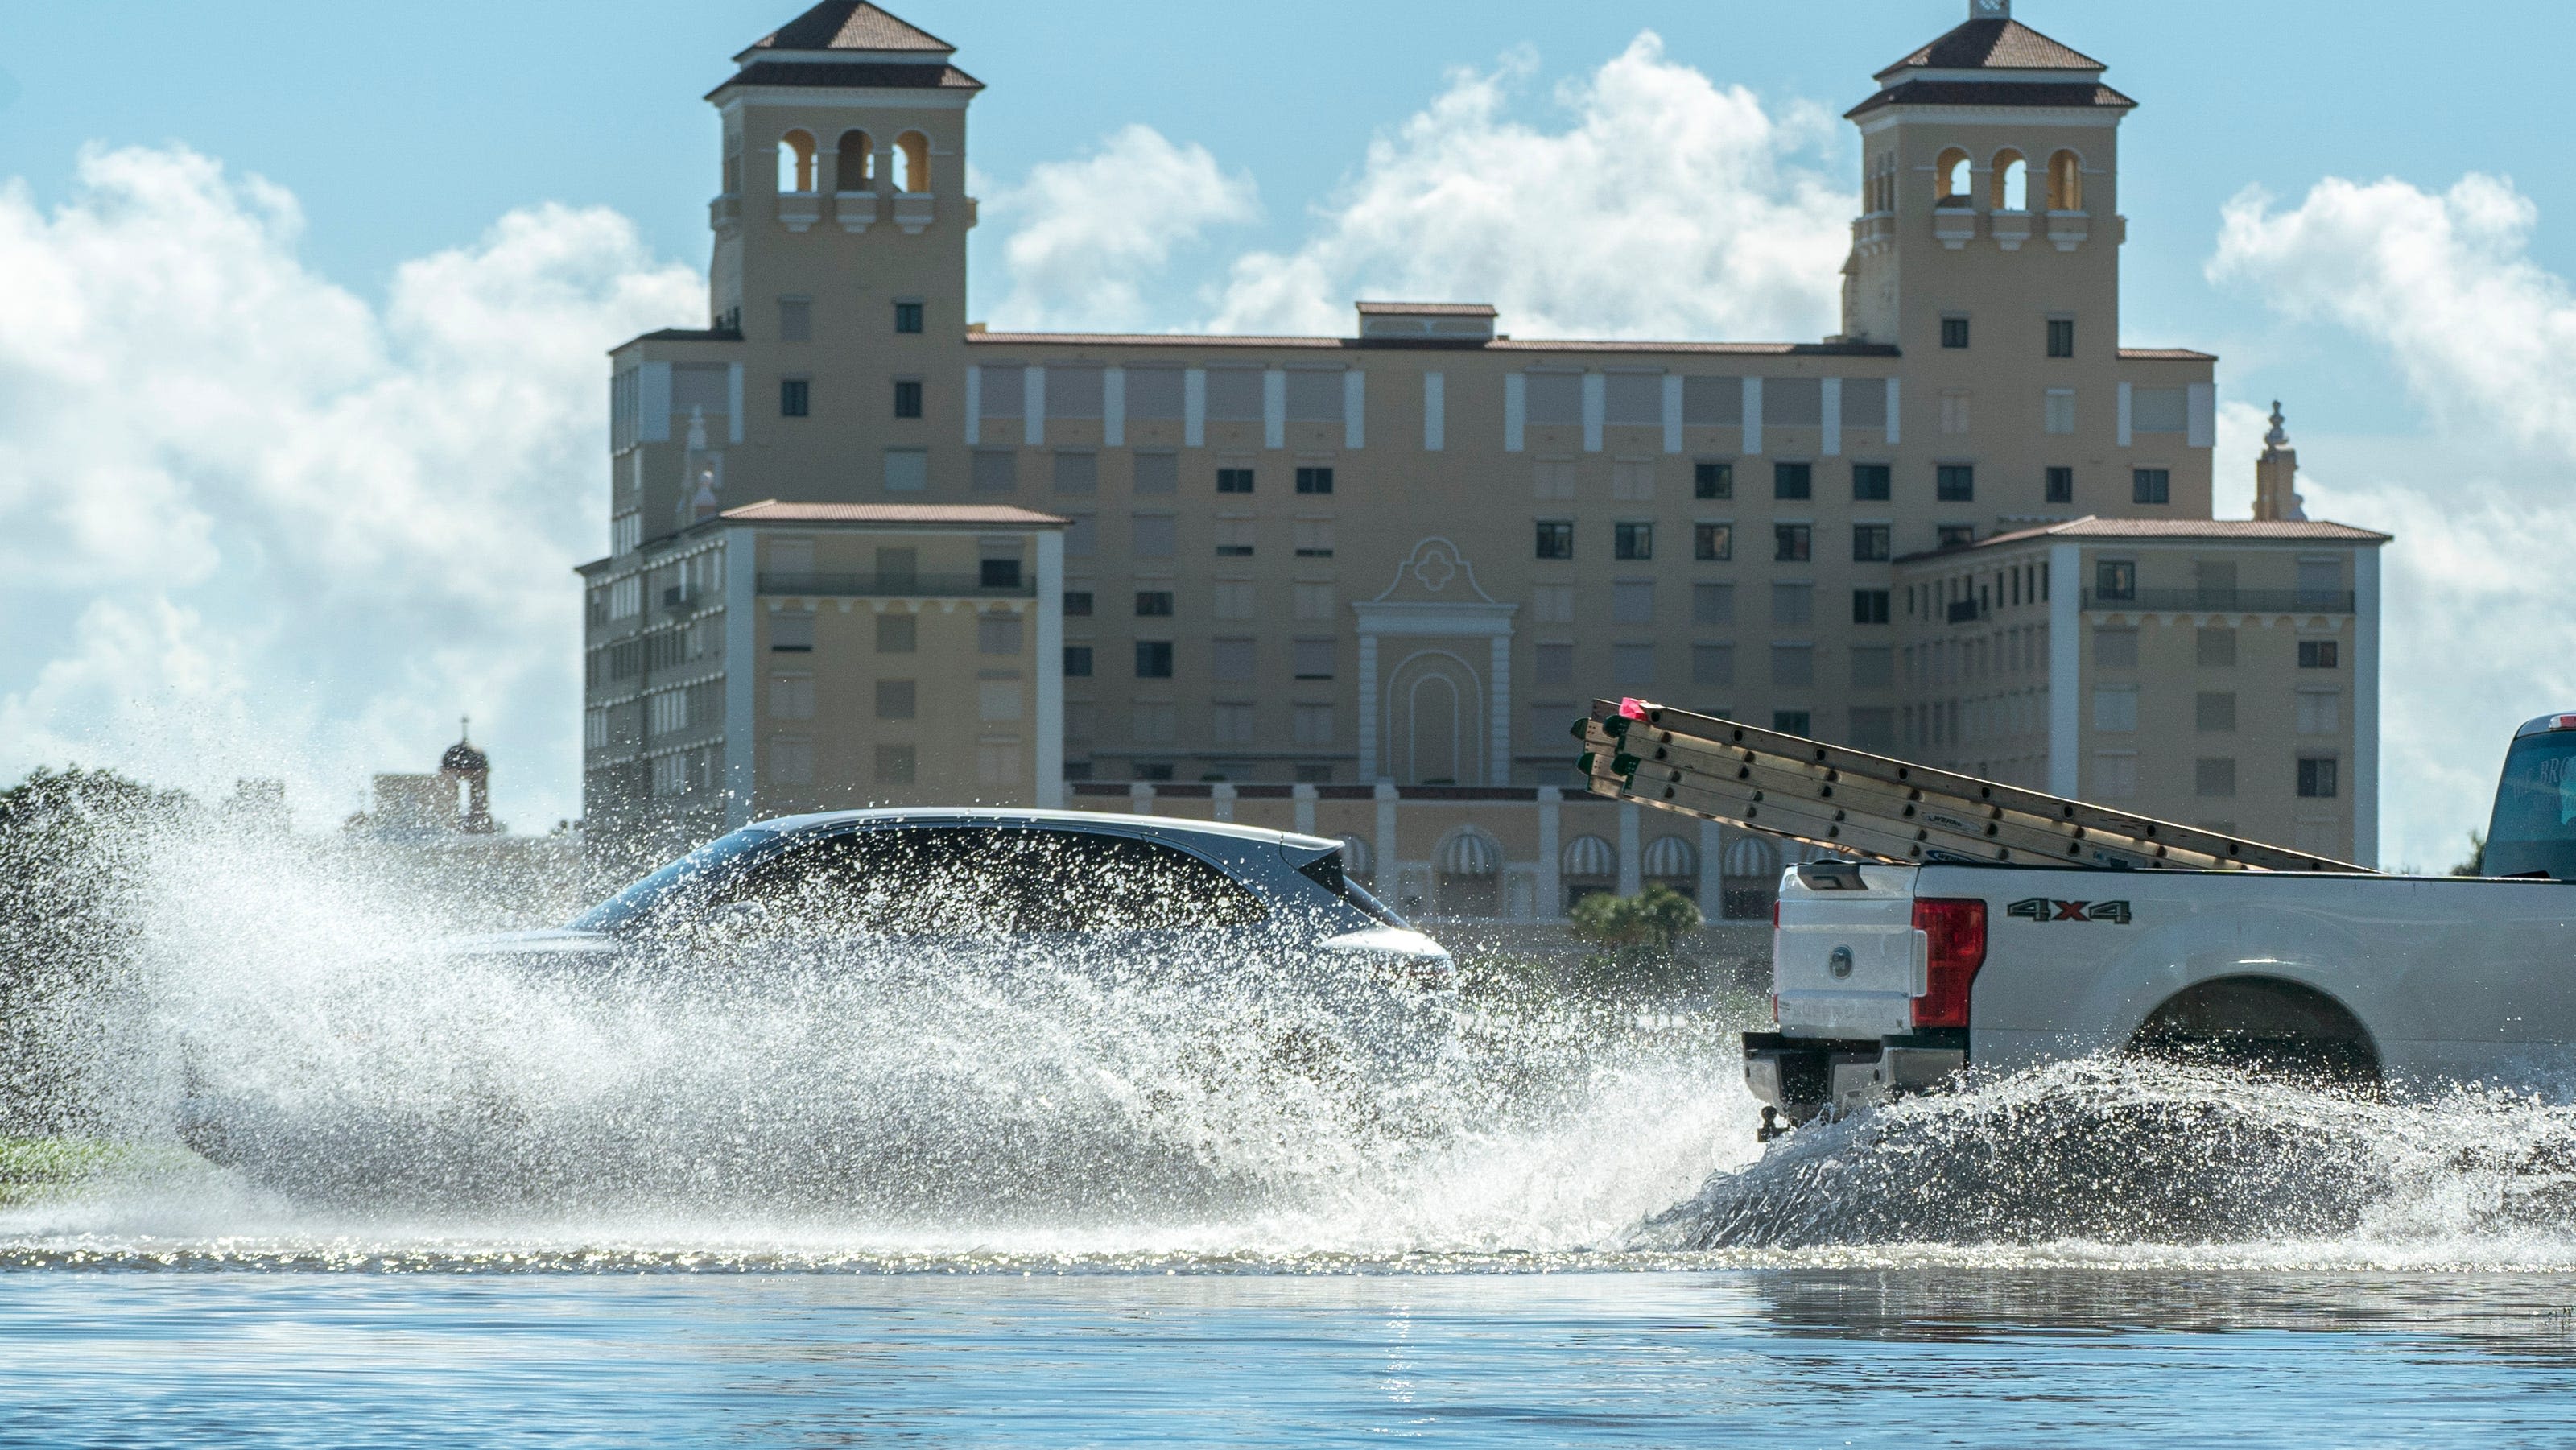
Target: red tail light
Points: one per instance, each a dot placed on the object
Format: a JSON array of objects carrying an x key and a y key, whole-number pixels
[{"x": 1955, "y": 932}]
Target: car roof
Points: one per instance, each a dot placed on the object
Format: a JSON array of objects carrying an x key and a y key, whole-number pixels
[{"x": 1097, "y": 820}]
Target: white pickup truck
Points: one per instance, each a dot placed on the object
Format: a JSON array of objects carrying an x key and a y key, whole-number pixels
[{"x": 1965, "y": 944}]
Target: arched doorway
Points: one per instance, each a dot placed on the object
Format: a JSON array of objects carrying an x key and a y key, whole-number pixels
[{"x": 1436, "y": 721}]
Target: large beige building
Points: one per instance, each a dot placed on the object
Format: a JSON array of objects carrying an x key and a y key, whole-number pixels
[{"x": 1366, "y": 580}]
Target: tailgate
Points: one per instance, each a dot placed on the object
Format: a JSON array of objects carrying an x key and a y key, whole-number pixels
[{"x": 1847, "y": 962}]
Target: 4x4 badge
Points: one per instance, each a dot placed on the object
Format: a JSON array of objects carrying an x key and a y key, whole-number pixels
[{"x": 2040, "y": 908}]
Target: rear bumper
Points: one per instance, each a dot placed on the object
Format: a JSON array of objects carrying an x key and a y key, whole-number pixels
[{"x": 1804, "y": 1077}]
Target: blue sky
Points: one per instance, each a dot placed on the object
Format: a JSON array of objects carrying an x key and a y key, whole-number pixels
[
  {"x": 403, "y": 129},
  {"x": 321, "y": 223}
]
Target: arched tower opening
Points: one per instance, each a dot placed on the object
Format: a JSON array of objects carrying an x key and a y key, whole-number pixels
[
  {"x": 855, "y": 162},
  {"x": 912, "y": 163},
  {"x": 796, "y": 161}
]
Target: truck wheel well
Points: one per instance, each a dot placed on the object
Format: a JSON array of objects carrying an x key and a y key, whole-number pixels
[{"x": 2262, "y": 1025}]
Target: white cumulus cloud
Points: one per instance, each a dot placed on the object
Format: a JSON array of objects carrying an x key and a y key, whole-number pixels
[
  {"x": 1664, "y": 205},
  {"x": 2476, "y": 588},
  {"x": 252, "y": 524},
  {"x": 1088, "y": 234}
]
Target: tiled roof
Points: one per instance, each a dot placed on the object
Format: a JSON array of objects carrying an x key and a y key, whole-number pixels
[
  {"x": 1429, "y": 309},
  {"x": 850, "y": 25},
  {"x": 772, "y": 511},
  {"x": 1995, "y": 45},
  {"x": 693, "y": 334},
  {"x": 1193, "y": 339},
  {"x": 2249, "y": 531},
  {"x": 2077, "y": 94},
  {"x": 2165, "y": 354},
  {"x": 850, "y": 75}
]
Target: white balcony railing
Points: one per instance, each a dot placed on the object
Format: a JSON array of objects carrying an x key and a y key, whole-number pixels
[
  {"x": 798, "y": 210},
  {"x": 856, "y": 211}
]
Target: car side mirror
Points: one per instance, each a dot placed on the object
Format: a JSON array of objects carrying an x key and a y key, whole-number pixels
[{"x": 736, "y": 920}]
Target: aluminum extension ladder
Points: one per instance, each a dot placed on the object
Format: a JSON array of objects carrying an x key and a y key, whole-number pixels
[{"x": 1853, "y": 802}]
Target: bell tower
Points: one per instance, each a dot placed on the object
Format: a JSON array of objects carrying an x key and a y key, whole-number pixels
[
  {"x": 843, "y": 186},
  {"x": 1989, "y": 191}
]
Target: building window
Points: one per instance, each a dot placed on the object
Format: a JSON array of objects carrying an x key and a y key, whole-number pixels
[
  {"x": 996, "y": 470},
  {"x": 1555, "y": 664},
  {"x": 1955, "y": 483},
  {"x": 1632, "y": 664},
  {"x": 1632, "y": 601},
  {"x": 2320, "y": 712},
  {"x": 998, "y": 573},
  {"x": 895, "y": 699},
  {"x": 2115, "y": 709},
  {"x": 1793, "y": 543},
  {"x": 795, "y": 398},
  {"x": 907, "y": 398},
  {"x": 1153, "y": 536},
  {"x": 1792, "y": 722},
  {"x": 1713, "y": 480},
  {"x": 907, "y": 470},
  {"x": 1232, "y": 660},
  {"x": 2115, "y": 579},
  {"x": 1712, "y": 604},
  {"x": 1153, "y": 770},
  {"x": 2215, "y": 645},
  {"x": 1871, "y": 542},
  {"x": 1953, "y": 536},
  {"x": 2214, "y": 712},
  {"x": 1712, "y": 664},
  {"x": 1312, "y": 602},
  {"x": 791, "y": 633},
  {"x": 1871, "y": 482},
  {"x": 2061, "y": 337},
  {"x": 1793, "y": 603},
  {"x": 1234, "y": 480},
  {"x": 2057, "y": 413},
  {"x": 2317, "y": 654},
  {"x": 894, "y": 764},
  {"x": 1869, "y": 606},
  {"x": 1556, "y": 538},
  {"x": 1153, "y": 603},
  {"x": 2115, "y": 649},
  {"x": 2151, "y": 485},
  {"x": 1154, "y": 723},
  {"x": 2061, "y": 485},
  {"x": 1314, "y": 480},
  {"x": 1313, "y": 725},
  {"x": 2214, "y": 777},
  {"x": 998, "y": 634},
  {"x": 1153, "y": 659},
  {"x": 1311, "y": 659},
  {"x": 1793, "y": 480},
  {"x": 1632, "y": 541},
  {"x": 1077, "y": 604},
  {"x": 1713, "y": 542},
  {"x": 2317, "y": 778},
  {"x": 795, "y": 319},
  {"x": 1077, "y": 662},
  {"x": 1232, "y": 598},
  {"x": 1313, "y": 538},
  {"x": 907, "y": 317},
  {"x": 1232, "y": 722},
  {"x": 1954, "y": 332}
]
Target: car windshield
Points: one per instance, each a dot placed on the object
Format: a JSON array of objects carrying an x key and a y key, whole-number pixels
[
  {"x": 645, "y": 896},
  {"x": 2534, "y": 826}
]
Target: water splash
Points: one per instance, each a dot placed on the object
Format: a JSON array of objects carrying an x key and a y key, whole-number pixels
[
  {"x": 2125, "y": 1152},
  {"x": 282, "y": 1012}
]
